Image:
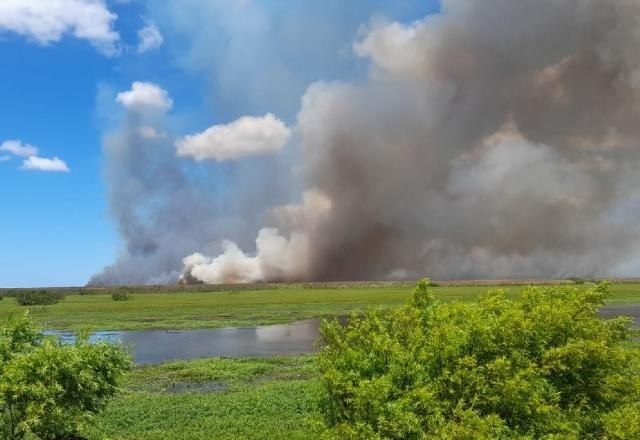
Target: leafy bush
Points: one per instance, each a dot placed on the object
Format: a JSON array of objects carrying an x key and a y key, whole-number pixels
[
  {"x": 50, "y": 389},
  {"x": 539, "y": 366},
  {"x": 577, "y": 280},
  {"x": 120, "y": 296},
  {"x": 33, "y": 297}
]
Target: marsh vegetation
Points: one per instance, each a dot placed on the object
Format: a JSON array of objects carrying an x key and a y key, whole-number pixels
[
  {"x": 518, "y": 361},
  {"x": 245, "y": 306}
]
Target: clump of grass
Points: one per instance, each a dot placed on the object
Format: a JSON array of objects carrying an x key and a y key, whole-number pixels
[
  {"x": 120, "y": 296},
  {"x": 40, "y": 297}
]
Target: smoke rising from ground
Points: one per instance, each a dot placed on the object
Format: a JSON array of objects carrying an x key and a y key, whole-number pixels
[
  {"x": 495, "y": 139},
  {"x": 166, "y": 209}
]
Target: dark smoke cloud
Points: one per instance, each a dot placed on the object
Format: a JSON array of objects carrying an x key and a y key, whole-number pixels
[{"x": 495, "y": 139}]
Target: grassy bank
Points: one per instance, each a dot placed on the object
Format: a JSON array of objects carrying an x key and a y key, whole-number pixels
[
  {"x": 217, "y": 398},
  {"x": 246, "y": 308}
]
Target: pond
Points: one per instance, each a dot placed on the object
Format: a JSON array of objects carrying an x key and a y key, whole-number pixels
[
  {"x": 155, "y": 346},
  {"x": 630, "y": 310}
]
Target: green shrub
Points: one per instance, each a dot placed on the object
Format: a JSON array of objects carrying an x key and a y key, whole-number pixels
[
  {"x": 33, "y": 297},
  {"x": 576, "y": 280},
  {"x": 539, "y": 366},
  {"x": 120, "y": 296},
  {"x": 50, "y": 389}
]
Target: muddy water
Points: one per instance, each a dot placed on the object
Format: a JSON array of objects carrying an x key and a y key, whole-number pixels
[{"x": 155, "y": 346}]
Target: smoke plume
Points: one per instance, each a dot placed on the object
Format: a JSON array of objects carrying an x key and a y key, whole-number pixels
[
  {"x": 493, "y": 139},
  {"x": 165, "y": 208}
]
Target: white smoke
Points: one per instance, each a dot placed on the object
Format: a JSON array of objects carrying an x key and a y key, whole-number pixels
[{"x": 277, "y": 257}]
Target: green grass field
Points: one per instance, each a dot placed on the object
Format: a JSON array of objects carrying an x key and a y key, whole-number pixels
[{"x": 244, "y": 308}]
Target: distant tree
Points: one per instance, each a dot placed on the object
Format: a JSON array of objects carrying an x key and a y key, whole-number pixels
[
  {"x": 541, "y": 366},
  {"x": 51, "y": 389},
  {"x": 43, "y": 297}
]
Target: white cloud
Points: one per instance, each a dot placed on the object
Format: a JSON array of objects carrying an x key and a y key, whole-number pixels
[
  {"x": 47, "y": 21},
  {"x": 144, "y": 95},
  {"x": 32, "y": 161},
  {"x": 44, "y": 164},
  {"x": 151, "y": 133},
  {"x": 247, "y": 136},
  {"x": 149, "y": 38},
  {"x": 17, "y": 148}
]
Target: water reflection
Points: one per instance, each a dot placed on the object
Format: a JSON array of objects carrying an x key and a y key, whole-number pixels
[
  {"x": 155, "y": 346},
  {"x": 630, "y": 310}
]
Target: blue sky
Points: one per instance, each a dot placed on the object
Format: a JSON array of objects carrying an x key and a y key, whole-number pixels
[{"x": 215, "y": 59}]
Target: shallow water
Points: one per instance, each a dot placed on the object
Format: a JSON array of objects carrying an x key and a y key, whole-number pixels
[
  {"x": 630, "y": 310},
  {"x": 155, "y": 346}
]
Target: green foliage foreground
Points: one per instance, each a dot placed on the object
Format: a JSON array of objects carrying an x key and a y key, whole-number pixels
[
  {"x": 50, "y": 389},
  {"x": 541, "y": 366}
]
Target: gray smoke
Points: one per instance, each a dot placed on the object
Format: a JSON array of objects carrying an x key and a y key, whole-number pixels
[
  {"x": 495, "y": 139},
  {"x": 166, "y": 208}
]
